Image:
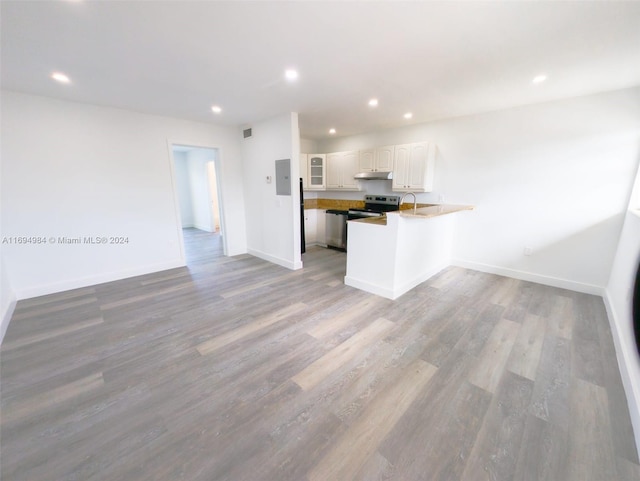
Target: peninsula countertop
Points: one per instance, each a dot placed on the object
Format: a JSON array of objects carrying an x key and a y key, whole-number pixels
[
  {"x": 433, "y": 210},
  {"x": 422, "y": 211}
]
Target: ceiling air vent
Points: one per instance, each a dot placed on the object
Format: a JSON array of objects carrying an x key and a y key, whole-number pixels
[{"x": 246, "y": 133}]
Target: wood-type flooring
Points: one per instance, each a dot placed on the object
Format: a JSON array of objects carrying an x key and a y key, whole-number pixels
[{"x": 238, "y": 369}]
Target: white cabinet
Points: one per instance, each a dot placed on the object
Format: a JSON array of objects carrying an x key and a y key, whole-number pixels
[
  {"x": 367, "y": 160},
  {"x": 304, "y": 175},
  {"x": 310, "y": 229},
  {"x": 320, "y": 227},
  {"x": 377, "y": 160},
  {"x": 413, "y": 167},
  {"x": 384, "y": 158},
  {"x": 316, "y": 168},
  {"x": 314, "y": 227},
  {"x": 341, "y": 169}
]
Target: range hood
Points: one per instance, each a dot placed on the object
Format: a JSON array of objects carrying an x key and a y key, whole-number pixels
[{"x": 374, "y": 175}]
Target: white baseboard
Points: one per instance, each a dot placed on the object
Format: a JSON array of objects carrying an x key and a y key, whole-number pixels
[
  {"x": 6, "y": 316},
  {"x": 392, "y": 294},
  {"x": 531, "y": 277},
  {"x": 276, "y": 260},
  {"x": 625, "y": 359},
  {"x": 407, "y": 286},
  {"x": 46, "y": 289},
  {"x": 368, "y": 287},
  {"x": 315, "y": 243}
]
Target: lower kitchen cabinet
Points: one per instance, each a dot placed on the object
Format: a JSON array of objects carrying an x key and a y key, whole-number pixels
[
  {"x": 314, "y": 227},
  {"x": 310, "y": 223}
]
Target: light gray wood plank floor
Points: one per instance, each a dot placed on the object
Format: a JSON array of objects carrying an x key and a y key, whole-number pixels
[{"x": 237, "y": 369}]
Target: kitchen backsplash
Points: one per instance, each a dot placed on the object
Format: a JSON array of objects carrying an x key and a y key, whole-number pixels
[{"x": 342, "y": 204}]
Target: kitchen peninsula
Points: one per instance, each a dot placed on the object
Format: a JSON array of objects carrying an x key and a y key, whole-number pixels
[{"x": 391, "y": 255}]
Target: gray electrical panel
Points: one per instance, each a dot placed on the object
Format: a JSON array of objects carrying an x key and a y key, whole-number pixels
[{"x": 283, "y": 177}]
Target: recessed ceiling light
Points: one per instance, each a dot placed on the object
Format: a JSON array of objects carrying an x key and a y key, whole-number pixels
[
  {"x": 216, "y": 109},
  {"x": 408, "y": 115},
  {"x": 332, "y": 131},
  {"x": 60, "y": 77},
  {"x": 538, "y": 79},
  {"x": 291, "y": 74},
  {"x": 373, "y": 103}
]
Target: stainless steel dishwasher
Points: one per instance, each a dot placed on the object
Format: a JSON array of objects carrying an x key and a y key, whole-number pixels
[{"x": 336, "y": 229}]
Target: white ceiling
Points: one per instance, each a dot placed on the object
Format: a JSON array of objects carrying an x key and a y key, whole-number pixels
[{"x": 435, "y": 59}]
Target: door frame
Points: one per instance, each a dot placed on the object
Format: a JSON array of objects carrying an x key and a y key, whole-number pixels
[{"x": 176, "y": 200}]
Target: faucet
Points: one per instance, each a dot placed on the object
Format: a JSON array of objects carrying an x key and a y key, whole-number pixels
[{"x": 414, "y": 200}]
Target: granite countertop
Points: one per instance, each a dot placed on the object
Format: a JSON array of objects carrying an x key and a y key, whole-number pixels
[
  {"x": 423, "y": 211},
  {"x": 338, "y": 204},
  {"x": 432, "y": 210},
  {"x": 382, "y": 220},
  {"x": 409, "y": 205}
]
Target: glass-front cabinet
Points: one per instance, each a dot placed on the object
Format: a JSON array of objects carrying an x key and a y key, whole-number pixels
[{"x": 317, "y": 171}]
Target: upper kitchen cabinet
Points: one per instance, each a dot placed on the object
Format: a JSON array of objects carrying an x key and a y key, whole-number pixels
[
  {"x": 341, "y": 170},
  {"x": 304, "y": 175},
  {"x": 317, "y": 171},
  {"x": 413, "y": 166},
  {"x": 377, "y": 160}
]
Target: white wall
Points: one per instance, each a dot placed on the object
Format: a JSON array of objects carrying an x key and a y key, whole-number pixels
[
  {"x": 308, "y": 146},
  {"x": 7, "y": 300},
  {"x": 619, "y": 305},
  {"x": 414, "y": 250},
  {"x": 197, "y": 161},
  {"x": 555, "y": 177},
  {"x": 73, "y": 169},
  {"x": 184, "y": 188},
  {"x": 273, "y": 221},
  {"x": 212, "y": 178}
]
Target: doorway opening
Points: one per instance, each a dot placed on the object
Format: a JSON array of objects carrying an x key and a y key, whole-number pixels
[{"x": 199, "y": 202}]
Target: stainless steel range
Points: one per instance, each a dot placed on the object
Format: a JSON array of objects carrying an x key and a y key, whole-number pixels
[
  {"x": 375, "y": 206},
  {"x": 336, "y": 220}
]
